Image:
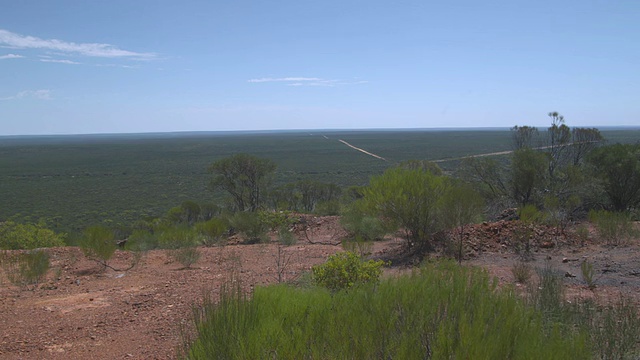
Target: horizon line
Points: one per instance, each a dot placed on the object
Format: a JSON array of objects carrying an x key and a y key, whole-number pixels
[{"x": 271, "y": 131}]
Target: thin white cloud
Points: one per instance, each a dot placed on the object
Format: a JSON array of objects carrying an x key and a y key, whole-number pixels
[
  {"x": 10, "y": 56},
  {"x": 36, "y": 94},
  {"x": 61, "y": 61},
  {"x": 285, "y": 79},
  {"x": 306, "y": 81},
  {"x": 17, "y": 41}
]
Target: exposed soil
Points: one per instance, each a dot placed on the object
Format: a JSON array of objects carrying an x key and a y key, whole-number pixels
[{"x": 83, "y": 311}]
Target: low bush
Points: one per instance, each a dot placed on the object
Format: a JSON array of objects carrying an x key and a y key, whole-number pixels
[
  {"x": 98, "y": 244},
  {"x": 213, "y": 231},
  {"x": 14, "y": 236},
  {"x": 521, "y": 272},
  {"x": 615, "y": 228},
  {"x": 442, "y": 311},
  {"x": 141, "y": 240},
  {"x": 345, "y": 270},
  {"x": 588, "y": 274},
  {"x": 613, "y": 331},
  {"x": 25, "y": 268},
  {"x": 181, "y": 243},
  {"x": 249, "y": 224},
  {"x": 186, "y": 256}
]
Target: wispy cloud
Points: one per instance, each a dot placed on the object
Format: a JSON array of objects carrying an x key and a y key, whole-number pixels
[
  {"x": 285, "y": 79},
  {"x": 17, "y": 41},
  {"x": 306, "y": 81},
  {"x": 10, "y": 56},
  {"x": 63, "y": 61},
  {"x": 36, "y": 94}
]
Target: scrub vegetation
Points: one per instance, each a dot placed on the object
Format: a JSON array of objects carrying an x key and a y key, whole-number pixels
[{"x": 185, "y": 192}]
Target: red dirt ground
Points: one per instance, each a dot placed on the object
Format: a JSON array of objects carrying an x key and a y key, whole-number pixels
[{"x": 83, "y": 312}]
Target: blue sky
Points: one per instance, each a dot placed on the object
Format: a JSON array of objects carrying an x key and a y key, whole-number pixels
[{"x": 69, "y": 67}]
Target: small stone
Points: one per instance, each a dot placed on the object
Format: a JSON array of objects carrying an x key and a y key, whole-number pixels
[
  {"x": 569, "y": 275},
  {"x": 565, "y": 260}
]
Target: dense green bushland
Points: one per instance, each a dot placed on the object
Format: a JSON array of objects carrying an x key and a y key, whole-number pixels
[
  {"x": 345, "y": 270},
  {"x": 441, "y": 311},
  {"x": 15, "y": 236},
  {"x": 73, "y": 181}
]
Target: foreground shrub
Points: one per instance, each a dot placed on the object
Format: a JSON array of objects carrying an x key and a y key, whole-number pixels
[
  {"x": 442, "y": 311},
  {"x": 345, "y": 270},
  {"x": 25, "y": 268},
  {"x": 15, "y": 236},
  {"x": 613, "y": 330}
]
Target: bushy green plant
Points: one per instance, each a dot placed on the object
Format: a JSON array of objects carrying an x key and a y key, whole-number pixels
[
  {"x": 250, "y": 226},
  {"x": 286, "y": 237},
  {"x": 275, "y": 220},
  {"x": 213, "y": 231},
  {"x": 521, "y": 272},
  {"x": 98, "y": 244},
  {"x": 141, "y": 240},
  {"x": 14, "y": 236},
  {"x": 186, "y": 256},
  {"x": 358, "y": 245},
  {"x": 588, "y": 274},
  {"x": 328, "y": 208},
  {"x": 25, "y": 268},
  {"x": 176, "y": 237},
  {"x": 345, "y": 270},
  {"x": 362, "y": 225},
  {"x": 181, "y": 244},
  {"x": 409, "y": 200},
  {"x": 615, "y": 228},
  {"x": 442, "y": 311},
  {"x": 613, "y": 330},
  {"x": 582, "y": 232}
]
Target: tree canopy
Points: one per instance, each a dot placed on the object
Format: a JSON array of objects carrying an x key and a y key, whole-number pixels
[{"x": 244, "y": 177}]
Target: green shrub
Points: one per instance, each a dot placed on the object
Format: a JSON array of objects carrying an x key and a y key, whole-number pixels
[
  {"x": 521, "y": 272},
  {"x": 275, "y": 220},
  {"x": 328, "y": 208},
  {"x": 25, "y": 268},
  {"x": 361, "y": 225},
  {"x": 345, "y": 270},
  {"x": 442, "y": 311},
  {"x": 358, "y": 246},
  {"x": 582, "y": 232},
  {"x": 141, "y": 240},
  {"x": 98, "y": 244},
  {"x": 588, "y": 274},
  {"x": 286, "y": 237},
  {"x": 250, "y": 226},
  {"x": 615, "y": 228},
  {"x": 613, "y": 330},
  {"x": 186, "y": 256},
  {"x": 14, "y": 236},
  {"x": 176, "y": 237},
  {"x": 213, "y": 231},
  {"x": 181, "y": 244}
]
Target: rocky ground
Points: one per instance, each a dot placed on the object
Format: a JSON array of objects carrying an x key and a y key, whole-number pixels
[{"x": 83, "y": 311}]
